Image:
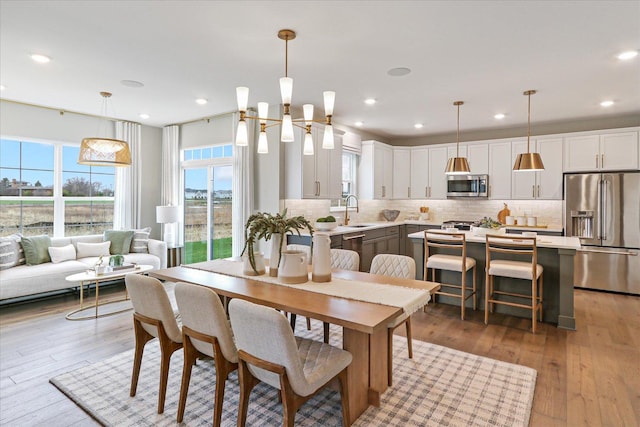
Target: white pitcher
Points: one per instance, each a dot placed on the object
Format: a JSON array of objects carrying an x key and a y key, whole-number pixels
[
  {"x": 293, "y": 267},
  {"x": 321, "y": 259}
]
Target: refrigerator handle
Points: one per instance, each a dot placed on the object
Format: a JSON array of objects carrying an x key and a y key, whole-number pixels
[
  {"x": 600, "y": 207},
  {"x": 605, "y": 188}
]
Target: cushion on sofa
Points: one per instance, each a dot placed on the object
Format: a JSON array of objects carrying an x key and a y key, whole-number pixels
[
  {"x": 120, "y": 241},
  {"x": 85, "y": 250},
  {"x": 11, "y": 253},
  {"x": 36, "y": 249},
  {"x": 140, "y": 241},
  {"x": 62, "y": 253}
]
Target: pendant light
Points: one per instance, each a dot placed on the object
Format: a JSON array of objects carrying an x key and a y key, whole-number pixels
[
  {"x": 98, "y": 151},
  {"x": 457, "y": 165},
  {"x": 528, "y": 161}
]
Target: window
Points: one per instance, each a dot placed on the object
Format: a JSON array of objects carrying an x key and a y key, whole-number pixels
[
  {"x": 349, "y": 178},
  {"x": 44, "y": 191}
]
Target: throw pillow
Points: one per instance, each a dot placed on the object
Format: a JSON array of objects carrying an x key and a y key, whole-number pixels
[
  {"x": 120, "y": 241},
  {"x": 62, "y": 253},
  {"x": 140, "y": 241},
  {"x": 36, "y": 249},
  {"x": 85, "y": 250},
  {"x": 11, "y": 253}
]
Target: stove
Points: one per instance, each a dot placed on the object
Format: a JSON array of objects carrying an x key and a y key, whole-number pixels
[{"x": 460, "y": 225}]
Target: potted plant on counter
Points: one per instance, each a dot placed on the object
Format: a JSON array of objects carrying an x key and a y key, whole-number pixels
[
  {"x": 262, "y": 225},
  {"x": 488, "y": 226}
]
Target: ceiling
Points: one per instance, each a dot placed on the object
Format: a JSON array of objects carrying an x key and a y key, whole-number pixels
[{"x": 485, "y": 53}]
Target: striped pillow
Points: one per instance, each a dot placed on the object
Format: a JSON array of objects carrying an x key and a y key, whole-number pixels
[
  {"x": 11, "y": 253},
  {"x": 140, "y": 241}
]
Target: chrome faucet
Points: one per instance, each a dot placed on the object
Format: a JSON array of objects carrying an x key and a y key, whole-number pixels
[{"x": 346, "y": 209}]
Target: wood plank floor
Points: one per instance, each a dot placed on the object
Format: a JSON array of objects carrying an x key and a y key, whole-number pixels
[{"x": 588, "y": 377}]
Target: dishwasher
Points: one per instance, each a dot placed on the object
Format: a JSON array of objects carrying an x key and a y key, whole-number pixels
[{"x": 353, "y": 242}]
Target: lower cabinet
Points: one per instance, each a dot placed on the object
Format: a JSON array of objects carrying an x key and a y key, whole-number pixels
[{"x": 379, "y": 241}]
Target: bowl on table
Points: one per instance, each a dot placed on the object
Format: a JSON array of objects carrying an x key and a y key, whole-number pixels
[{"x": 325, "y": 226}]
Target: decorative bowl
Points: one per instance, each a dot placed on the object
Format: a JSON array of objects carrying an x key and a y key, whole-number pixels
[
  {"x": 325, "y": 226},
  {"x": 481, "y": 231},
  {"x": 390, "y": 214}
]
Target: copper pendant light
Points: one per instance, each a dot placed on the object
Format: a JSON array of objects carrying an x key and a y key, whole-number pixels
[
  {"x": 457, "y": 165},
  {"x": 528, "y": 161}
]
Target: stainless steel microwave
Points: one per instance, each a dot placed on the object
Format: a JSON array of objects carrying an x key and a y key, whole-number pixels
[{"x": 463, "y": 186}]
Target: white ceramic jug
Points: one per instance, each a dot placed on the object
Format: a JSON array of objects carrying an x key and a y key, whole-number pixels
[
  {"x": 293, "y": 267},
  {"x": 321, "y": 259}
]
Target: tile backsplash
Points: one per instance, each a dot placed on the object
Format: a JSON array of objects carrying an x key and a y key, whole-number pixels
[{"x": 548, "y": 212}]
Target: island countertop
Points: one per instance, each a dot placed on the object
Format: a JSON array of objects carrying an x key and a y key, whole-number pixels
[{"x": 555, "y": 242}]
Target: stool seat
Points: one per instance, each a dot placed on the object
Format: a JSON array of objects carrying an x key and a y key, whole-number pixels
[
  {"x": 514, "y": 269},
  {"x": 449, "y": 262}
]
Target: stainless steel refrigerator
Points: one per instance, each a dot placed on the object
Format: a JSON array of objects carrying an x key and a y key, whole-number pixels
[{"x": 603, "y": 210}]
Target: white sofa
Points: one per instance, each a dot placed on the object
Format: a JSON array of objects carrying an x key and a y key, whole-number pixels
[{"x": 24, "y": 280}]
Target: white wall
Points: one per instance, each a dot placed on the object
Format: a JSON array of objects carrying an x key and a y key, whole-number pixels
[{"x": 39, "y": 123}]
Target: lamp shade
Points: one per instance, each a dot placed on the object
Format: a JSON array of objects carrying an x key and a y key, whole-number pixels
[
  {"x": 530, "y": 162},
  {"x": 457, "y": 165},
  {"x": 167, "y": 214},
  {"x": 104, "y": 152}
]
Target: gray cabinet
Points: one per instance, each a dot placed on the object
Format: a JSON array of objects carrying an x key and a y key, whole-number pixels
[{"x": 379, "y": 241}]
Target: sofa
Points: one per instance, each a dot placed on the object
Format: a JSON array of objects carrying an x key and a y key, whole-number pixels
[{"x": 24, "y": 280}]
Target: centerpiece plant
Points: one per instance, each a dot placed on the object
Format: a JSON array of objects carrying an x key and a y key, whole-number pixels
[{"x": 263, "y": 225}]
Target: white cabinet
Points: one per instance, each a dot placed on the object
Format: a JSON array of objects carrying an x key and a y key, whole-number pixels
[
  {"x": 500, "y": 166},
  {"x": 437, "y": 178},
  {"x": 478, "y": 157},
  {"x": 401, "y": 173},
  {"x": 419, "y": 173},
  {"x": 606, "y": 151},
  {"x": 452, "y": 151},
  {"x": 313, "y": 177},
  {"x": 546, "y": 184},
  {"x": 375, "y": 171}
]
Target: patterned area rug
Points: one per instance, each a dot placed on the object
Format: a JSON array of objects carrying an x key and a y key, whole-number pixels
[{"x": 438, "y": 387}]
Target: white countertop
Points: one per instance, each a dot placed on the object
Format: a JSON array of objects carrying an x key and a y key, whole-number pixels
[{"x": 556, "y": 242}]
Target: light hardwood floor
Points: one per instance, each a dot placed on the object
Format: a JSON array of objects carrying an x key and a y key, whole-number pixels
[{"x": 588, "y": 377}]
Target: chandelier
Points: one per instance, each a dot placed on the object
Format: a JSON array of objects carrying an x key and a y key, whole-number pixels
[
  {"x": 528, "y": 161},
  {"x": 98, "y": 151},
  {"x": 286, "y": 122},
  {"x": 457, "y": 165}
]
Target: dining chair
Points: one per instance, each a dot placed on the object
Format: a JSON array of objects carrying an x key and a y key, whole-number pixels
[
  {"x": 529, "y": 270},
  {"x": 403, "y": 267},
  {"x": 456, "y": 260},
  {"x": 307, "y": 250},
  {"x": 298, "y": 367},
  {"x": 206, "y": 332},
  {"x": 153, "y": 317}
]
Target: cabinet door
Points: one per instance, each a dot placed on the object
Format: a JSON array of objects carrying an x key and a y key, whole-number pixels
[
  {"x": 619, "y": 151},
  {"x": 581, "y": 153},
  {"x": 437, "y": 178},
  {"x": 523, "y": 183},
  {"x": 419, "y": 173},
  {"x": 368, "y": 252},
  {"x": 478, "y": 156},
  {"x": 401, "y": 173},
  {"x": 309, "y": 180},
  {"x": 329, "y": 168},
  {"x": 452, "y": 151},
  {"x": 383, "y": 174},
  {"x": 549, "y": 181},
  {"x": 500, "y": 166}
]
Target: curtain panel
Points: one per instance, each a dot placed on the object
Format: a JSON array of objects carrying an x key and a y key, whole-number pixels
[{"x": 128, "y": 182}]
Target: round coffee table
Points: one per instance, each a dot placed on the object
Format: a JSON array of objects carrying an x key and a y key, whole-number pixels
[{"x": 89, "y": 277}]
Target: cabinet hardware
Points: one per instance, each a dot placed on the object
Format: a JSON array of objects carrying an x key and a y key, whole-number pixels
[
  {"x": 533, "y": 191},
  {"x": 591, "y": 251},
  {"x": 596, "y": 161},
  {"x": 354, "y": 237},
  {"x": 538, "y": 191},
  {"x": 602, "y": 161},
  {"x": 426, "y": 191},
  {"x": 408, "y": 192}
]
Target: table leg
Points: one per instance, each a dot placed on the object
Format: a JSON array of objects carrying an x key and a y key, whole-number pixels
[
  {"x": 97, "y": 291},
  {"x": 81, "y": 294}
]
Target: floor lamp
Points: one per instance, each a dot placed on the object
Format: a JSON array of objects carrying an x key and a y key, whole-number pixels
[{"x": 168, "y": 216}]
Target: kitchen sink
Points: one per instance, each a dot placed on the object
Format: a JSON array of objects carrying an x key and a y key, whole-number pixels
[{"x": 358, "y": 226}]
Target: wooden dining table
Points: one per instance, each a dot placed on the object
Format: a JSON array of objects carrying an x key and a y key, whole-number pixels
[{"x": 364, "y": 324}]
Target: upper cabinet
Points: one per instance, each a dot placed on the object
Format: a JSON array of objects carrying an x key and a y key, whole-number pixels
[
  {"x": 546, "y": 184},
  {"x": 401, "y": 173},
  {"x": 419, "y": 174},
  {"x": 500, "y": 165},
  {"x": 478, "y": 157},
  {"x": 375, "y": 171},
  {"x": 605, "y": 151},
  {"x": 318, "y": 176},
  {"x": 438, "y": 157}
]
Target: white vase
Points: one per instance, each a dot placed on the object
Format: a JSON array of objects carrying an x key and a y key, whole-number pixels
[
  {"x": 321, "y": 264},
  {"x": 277, "y": 246}
]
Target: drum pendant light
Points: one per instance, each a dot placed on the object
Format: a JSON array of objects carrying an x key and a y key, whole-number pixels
[
  {"x": 457, "y": 165},
  {"x": 528, "y": 161}
]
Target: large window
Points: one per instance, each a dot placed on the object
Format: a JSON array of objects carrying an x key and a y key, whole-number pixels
[
  {"x": 44, "y": 191},
  {"x": 349, "y": 178}
]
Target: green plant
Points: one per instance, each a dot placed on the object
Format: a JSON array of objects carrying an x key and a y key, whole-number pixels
[
  {"x": 329, "y": 218},
  {"x": 262, "y": 225},
  {"x": 487, "y": 222}
]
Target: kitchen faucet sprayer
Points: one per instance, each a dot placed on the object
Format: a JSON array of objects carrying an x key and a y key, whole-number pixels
[{"x": 346, "y": 208}]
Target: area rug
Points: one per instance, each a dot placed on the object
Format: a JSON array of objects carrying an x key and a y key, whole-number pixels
[{"x": 438, "y": 387}]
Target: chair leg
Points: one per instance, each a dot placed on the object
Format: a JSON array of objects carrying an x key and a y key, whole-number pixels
[
  {"x": 534, "y": 304},
  {"x": 541, "y": 294},
  {"x": 475, "y": 289},
  {"x": 325, "y": 330},
  {"x": 247, "y": 382},
  {"x": 463, "y": 293},
  {"x": 390, "y": 356},
  {"x": 165, "y": 360},
  {"x": 409, "y": 341},
  {"x": 293, "y": 321},
  {"x": 344, "y": 393},
  {"x": 308, "y": 324},
  {"x": 141, "y": 338},
  {"x": 487, "y": 295},
  {"x": 189, "y": 360}
]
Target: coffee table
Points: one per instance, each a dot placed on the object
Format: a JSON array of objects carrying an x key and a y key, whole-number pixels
[{"x": 89, "y": 277}]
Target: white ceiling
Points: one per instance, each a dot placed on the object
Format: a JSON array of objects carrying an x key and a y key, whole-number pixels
[{"x": 485, "y": 53}]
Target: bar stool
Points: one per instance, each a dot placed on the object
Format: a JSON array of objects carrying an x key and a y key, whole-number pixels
[
  {"x": 514, "y": 247},
  {"x": 460, "y": 262}
]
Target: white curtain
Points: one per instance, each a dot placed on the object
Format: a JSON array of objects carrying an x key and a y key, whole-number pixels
[
  {"x": 128, "y": 179},
  {"x": 242, "y": 188},
  {"x": 170, "y": 192}
]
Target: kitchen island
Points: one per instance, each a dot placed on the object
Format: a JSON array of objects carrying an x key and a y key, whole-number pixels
[{"x": 556, "y": 254}]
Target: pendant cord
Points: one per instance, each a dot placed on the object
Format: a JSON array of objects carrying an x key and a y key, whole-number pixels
[
  {"x": 528, "y": 121},
  {"x": 286, "y": 57},
  {"x": 458, "y": 134}
]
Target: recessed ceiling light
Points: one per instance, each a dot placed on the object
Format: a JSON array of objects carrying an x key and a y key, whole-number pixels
[
  {"x": 201, "y": 101},
  {"x": 399, "y": 72},
  {"x": 144, "y": 116},
  {"x": 418, "y": 126},
  {"x": 630, "y": 54},
  {"x": 359, "y": 124},
  {"x": 370, "y": 101},
  {"x": 131, "y": 83},
  {"x": 40, "y": 58},
  {"x": 606, "y": 103},
  {"x": 499, "y": 116}
]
